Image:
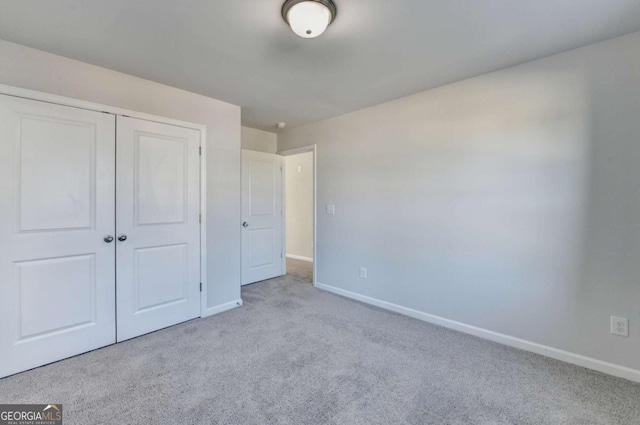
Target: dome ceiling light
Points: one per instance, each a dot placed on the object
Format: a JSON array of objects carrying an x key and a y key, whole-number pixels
[{"x": 309, "y": 18}]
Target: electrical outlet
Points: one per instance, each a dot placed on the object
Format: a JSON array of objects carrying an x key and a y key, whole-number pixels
[
  {"x": 619, "y": 326},
  {"x": 331, "y": 209},
  {"x": 363, "y": 273}
]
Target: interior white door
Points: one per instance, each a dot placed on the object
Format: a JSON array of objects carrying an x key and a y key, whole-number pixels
[
  {"x": 57, "y": 277},
  {"x": 261, "y": 216},
  {"x": 158, "y": 226}
]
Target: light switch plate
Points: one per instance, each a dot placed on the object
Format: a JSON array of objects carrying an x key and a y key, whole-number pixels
[{"x": 331, "y": 209}]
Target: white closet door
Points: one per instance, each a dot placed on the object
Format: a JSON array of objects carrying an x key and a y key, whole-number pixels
[
  {"x": 158, "y": 210},
  {"x": 261, "y": 216},
  {"x": 57, "y": 291}
]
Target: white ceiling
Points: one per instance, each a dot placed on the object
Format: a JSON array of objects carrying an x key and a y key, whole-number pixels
[{"x": 241, "y": 51}]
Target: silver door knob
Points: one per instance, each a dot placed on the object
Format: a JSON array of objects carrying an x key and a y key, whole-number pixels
[
  {"x": 245, "y": 224},
  {"x": 122, "y": 237},
  {"x": 108, "y": 239}
]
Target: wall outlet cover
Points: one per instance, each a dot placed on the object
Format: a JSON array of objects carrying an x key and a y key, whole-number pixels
[
  {"x": 363, "y": 272},
  {"x": 619, "y": 326}
]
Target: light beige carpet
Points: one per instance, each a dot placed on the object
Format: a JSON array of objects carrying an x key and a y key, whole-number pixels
[{"x": 296, "y": 355}]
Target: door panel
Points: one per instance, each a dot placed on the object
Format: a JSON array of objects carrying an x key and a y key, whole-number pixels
[
  {"x": 161, "y": 276},
  {"x": 56, "y": 156},
  {"x": 262, "y": 213},
  {"x": 162, "y": 181},
  {"x": 158, "y": 209},
  {"x": 57, "y": 172},
  {"x": 48, "y": 284}
]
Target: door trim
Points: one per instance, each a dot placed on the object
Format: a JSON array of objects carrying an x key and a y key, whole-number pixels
[
  {"x": 295, "y": 151},
  {"x": 92, "y": 106}
]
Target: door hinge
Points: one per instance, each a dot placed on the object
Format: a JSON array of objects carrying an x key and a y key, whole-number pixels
[
  {"x": 200, "y": 150},
  {"x": 200, "y": 218},
  {"x": 280, "y": 255},
  {"x": 200, "y": 286}
]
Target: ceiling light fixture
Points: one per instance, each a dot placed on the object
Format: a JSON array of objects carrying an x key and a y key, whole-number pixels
[{"x": 309, "y": 18}]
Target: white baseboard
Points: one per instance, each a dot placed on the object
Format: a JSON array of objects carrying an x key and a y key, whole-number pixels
[
  {"x": 554, "y": 353},
  {"x": 221, "y": 307},
  {"x": 299, "y": 257}
]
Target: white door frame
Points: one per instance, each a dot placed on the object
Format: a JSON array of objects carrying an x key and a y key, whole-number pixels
[
  {"x": 91, "y": 106},
  {"x": 290, "y": 152}
]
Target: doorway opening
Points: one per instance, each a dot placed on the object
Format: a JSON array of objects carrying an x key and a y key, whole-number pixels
[
  {"x": 299, "y": 213},
  {"x": 279, "y": 219}
]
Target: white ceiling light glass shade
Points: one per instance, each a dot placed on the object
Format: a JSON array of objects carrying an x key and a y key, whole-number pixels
[{"x": 309, "y": 18}]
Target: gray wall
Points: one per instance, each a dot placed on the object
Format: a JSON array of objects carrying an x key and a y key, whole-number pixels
[
  {"x": 33, "y": 69},
  {"x": 258, "y": 140},
  {"x": 299, "y": 204},
  {"x": 510, "y": 201}
]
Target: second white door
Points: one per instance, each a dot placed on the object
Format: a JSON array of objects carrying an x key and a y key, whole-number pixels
[
  {"x": 157, "y": 226},
  {"x": 261, "y": 216}
]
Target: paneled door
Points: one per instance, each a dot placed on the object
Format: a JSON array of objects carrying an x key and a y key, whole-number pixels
[
  {"x": 158, "y": 226},
  {"x": 261, "y": 216},
  {"x": 57, "y": 253}
]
